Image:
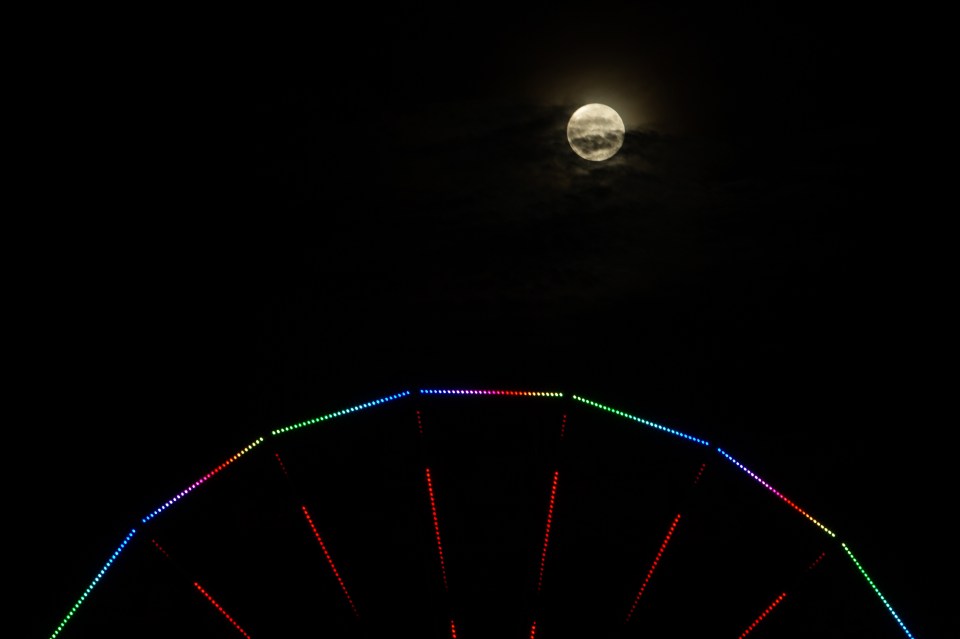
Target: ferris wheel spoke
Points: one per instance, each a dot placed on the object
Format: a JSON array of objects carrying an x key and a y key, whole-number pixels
[
  {"x": 551, "y": 503},
  {"x": 435, "y": 520}
]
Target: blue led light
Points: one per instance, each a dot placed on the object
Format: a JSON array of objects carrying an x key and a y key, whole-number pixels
[{"x": 642, "y": 421}]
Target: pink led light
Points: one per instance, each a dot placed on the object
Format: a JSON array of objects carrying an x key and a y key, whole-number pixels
[
  {"x": 419, "y": 424},
  {"x": 653, "y": 566},
  {"x": 533, "y": 629},
  {"x": 333, "y": 567},
  {"x": 200, "y": 481},
  {"x": 453, "y": 630},
  {"x": 222, "y": 611},
  {"x": 563, "y": 425},
  {"x": 436, "y": 528},
  {"x": 766, "y": 612},
  {"x": 546, "y": 535}
]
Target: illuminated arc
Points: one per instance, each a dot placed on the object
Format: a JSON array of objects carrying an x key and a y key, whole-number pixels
[{"x": 465, "y": 392}]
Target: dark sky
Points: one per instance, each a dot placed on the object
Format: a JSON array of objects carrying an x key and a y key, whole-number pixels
[{"x": 265, "y": 221}]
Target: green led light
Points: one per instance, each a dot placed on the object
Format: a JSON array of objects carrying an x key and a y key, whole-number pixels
[
  {"x": 315, "y": 420},
  {"x": 875, "y": 589},
  {"x": 90, "y": 588}
]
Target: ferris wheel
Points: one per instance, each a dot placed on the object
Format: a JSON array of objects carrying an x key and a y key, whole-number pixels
[{"x": 459, "y": 514}]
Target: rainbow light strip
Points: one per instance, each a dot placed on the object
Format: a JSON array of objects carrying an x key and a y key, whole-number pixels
[
  {"x": 653, "y": 566},
  {"x": 436, "y": 528},
  {"x": 93, "y": 583},
  {"x": 333, "y": 567},
  {"x": 352, "y": 409},
  {"x": 775, "y": 492},
  {"x": 875, "y": 589},
  {"x": 763, "y": 614},
  {"x": 491, "y": 392},
  {"x": 192, "y": 486},
  {"x": 546, "y": 535},
  {"x": 222, "y": 611},
  {"x": 641, "y": 420}
]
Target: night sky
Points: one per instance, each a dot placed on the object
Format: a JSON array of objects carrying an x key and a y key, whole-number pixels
[{"x": 268, "y": 221}]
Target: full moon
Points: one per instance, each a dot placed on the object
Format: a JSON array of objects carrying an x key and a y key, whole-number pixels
[{"x": 595, "y": 132}]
